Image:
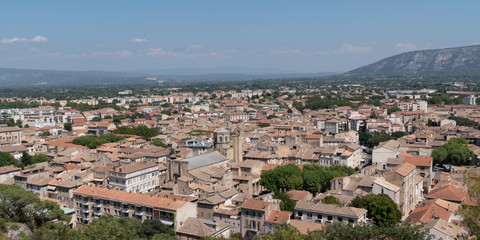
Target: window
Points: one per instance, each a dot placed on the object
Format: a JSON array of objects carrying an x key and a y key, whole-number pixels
[
  {"x": 340, "y": 219},
  {"x": 329, "y": 218},
  {"x": 350, "y": 220},
  {"x": 319, "y": 216},
  {"x": 309, "y": 215}
]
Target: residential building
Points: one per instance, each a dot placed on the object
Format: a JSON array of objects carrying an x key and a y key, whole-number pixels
[
  {"x": 328, "y": 213},
  {"x": 93, "y": 202},
  {"x": 138, "y": 177}
]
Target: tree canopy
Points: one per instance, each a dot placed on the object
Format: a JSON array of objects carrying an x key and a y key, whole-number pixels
[
  {"x": 381, "y": 208},
  {"x": 331, "y": 200},
  {"x": 92, "y": 141},
  {"x": 455, "y": 152},
  {"x": 312, "y": 178},
  {"x": 141, "y": 130}
]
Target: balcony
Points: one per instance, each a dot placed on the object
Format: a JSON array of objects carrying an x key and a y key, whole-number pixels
[
  {"x": 97, "y": 205},
  {"x": 85, "y": 203},
  {"x": 125, "y": 210},
  {"x": 85, "y": 210},
  {"x": 138, "y": 213}
]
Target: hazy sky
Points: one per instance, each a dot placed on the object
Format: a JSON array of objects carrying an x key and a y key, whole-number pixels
[{"x": 303, "y": 36}]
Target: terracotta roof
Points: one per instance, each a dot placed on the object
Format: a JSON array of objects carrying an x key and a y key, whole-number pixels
[
  {"x": 449, "y": 193},
  {"x": 279, "y": 217},
  {"x": 330, "y": 209},
  {"x": 135, "y": 198},
  {"x": 134, "y": 167},
  {"x": 256, "y": 205},
  {"x": 405, "y": 169},
  {"x": 9, "y": 168},
  {"x": 426, "y": 213},
  {"x": 195, "y": 227},
  {"x": 298, "y": 195},
  {"x": 419, "y": 161},
  {"x": 305, "y": 226}
]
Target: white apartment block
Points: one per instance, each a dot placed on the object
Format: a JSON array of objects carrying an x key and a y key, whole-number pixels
[{"x": 138, "y": 177}]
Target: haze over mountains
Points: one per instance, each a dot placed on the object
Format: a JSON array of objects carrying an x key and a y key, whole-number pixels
[
  {"x": 459, "y": 60},
  {"x": 425, "y": 62}
]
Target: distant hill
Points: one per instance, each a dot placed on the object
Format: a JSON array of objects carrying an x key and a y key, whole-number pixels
[
  {"x": 30, "y": 78},
  {"x": 10, "y": 77},
  {"x": 458, "y": 60}
]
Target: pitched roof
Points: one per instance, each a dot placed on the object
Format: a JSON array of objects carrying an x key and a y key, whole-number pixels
[
  {"x": 449, "y": 193},
  {"x": 257, "y": 205},
  {"x": 405, "y": 169},
  {"x": 195, "y": 227},
  {"x": 298, "y": 195},
  {"x": 330, "y": 209},
  {"x": 419, "y": 161},
  {"x": 204, "y": 160},
  {"x": 134, "y": 167},
  {"x": 305, "y": 226},
  {"x": 426, "y": 213},
  {"x": 135, "y": 198},
  {"x": 279, "y": 217}
]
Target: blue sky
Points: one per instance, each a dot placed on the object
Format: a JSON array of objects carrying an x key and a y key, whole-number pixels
[{"x": 301, "y": 36}]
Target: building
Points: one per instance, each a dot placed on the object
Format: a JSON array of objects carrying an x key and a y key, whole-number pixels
[
  {"x": 139, "y": 177},
  {"x": 11, "y": 135},
  {"x": 7, "y": 172},
  {"x": 406, "y": 177},
  {"x": 328, "y": 213},
  {"x": 254, "y": 214},
  {"x": 93, "y": 202}
]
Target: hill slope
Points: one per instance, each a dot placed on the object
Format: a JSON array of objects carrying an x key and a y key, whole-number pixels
[
  {"x": 29, "y": 78},
  {"x": 425, "y": 62}
]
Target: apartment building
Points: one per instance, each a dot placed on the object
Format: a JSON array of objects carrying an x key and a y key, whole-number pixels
[
  {"x": 93, "y": 202},
  {"x": 412, "y": 105},
  {"x": 328, "y": 213},
  {"x": 254, "y": 214},
  {"x": 11, "y": 135},
  {"x": 138, "y": 177}
]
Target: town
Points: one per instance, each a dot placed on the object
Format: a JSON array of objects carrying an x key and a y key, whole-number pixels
[{"x": 254, "y": 162}]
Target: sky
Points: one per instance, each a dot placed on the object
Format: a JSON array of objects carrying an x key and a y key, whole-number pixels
[{"x": 296, "y": 36}]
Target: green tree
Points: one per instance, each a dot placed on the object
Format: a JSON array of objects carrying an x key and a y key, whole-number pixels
[
  {"x": 471, "y": 213},
  {"x": 284, "y": 178},
  {"x": 141, "y": 130},
  {"x": 158, "y": 143},
  {"x": 298, "y": 105},
  {"x": 393, "y": 109},
  {"x": 152, "y": 227},
  {"x": 341, "y": 231},
  {"x": 67, "y": 126},
  {"x": 331, "y": 200},
  {"x": 92, "y": 141},
  {"x": 381, "y": 209},
  {"x": 46, "y": 134},
  {"x": 455, "y": 152},
  {"x": 109, "y": 227},
  {"x": 285, "y": 232},
  {"x": 286, "y": 203},
  {"x": 7, "y": 159},
  {"x": 26, "y": 159},
  {"x": 262, "y": 125}
]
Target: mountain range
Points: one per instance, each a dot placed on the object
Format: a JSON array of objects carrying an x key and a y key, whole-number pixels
[
  {"x": 424, "y": 63},
  {"x": 458, "y": 61}
]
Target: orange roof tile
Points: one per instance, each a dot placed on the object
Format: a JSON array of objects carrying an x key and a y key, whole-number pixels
[{"x": 135, "y": 198}]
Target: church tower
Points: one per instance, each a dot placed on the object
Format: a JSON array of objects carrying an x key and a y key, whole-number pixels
[
  {"x": 221, "y": 140},
  {"x": 238, "y": 144}
]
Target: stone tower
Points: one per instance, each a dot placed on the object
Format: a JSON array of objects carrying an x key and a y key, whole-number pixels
[
  {"x": 221, "y": 140},
  {"x": 238, "y": 144}
]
